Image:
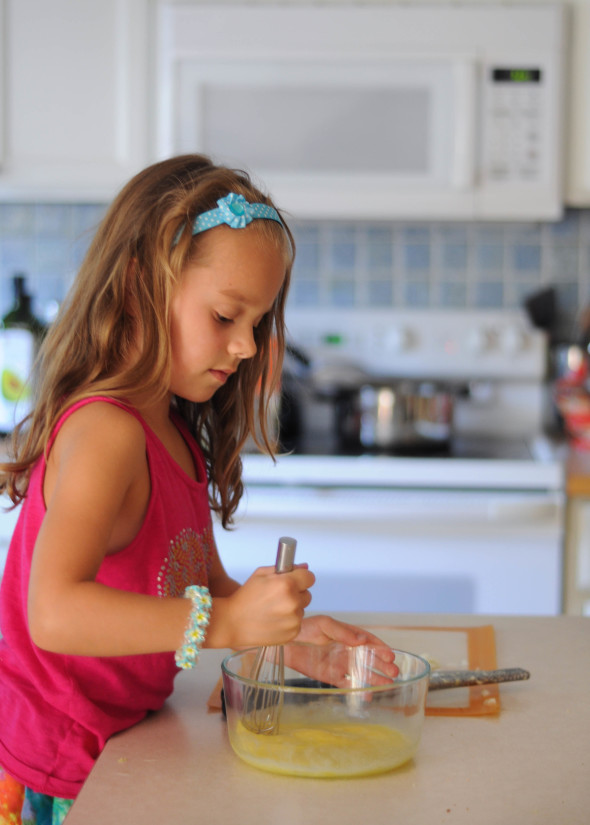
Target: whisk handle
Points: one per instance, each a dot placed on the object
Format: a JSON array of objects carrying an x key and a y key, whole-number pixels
[{"x": 285, "y": 554}]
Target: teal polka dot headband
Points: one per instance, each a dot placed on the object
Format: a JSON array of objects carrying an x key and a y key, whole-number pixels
[{"x": 235, "y": 211}]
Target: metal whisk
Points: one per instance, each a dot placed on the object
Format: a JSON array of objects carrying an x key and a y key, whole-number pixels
[{"x": 263, "y": 701}]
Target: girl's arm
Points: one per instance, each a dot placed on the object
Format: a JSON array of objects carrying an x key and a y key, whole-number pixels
[{"x": 97, "y": 492}]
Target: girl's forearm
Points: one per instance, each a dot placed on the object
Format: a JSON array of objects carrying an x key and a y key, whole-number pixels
[
  {"x": 90, "y": 619},
  {"x": 86, "y": 618}
]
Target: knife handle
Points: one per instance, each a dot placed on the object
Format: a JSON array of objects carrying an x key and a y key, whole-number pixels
[{"x": 441, "y": 679}]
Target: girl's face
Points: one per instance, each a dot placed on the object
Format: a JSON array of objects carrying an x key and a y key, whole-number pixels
[{"x": 216, "y": 306}]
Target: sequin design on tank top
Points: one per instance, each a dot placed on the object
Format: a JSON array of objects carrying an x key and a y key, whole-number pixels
[{"x": 188, "y": 561}]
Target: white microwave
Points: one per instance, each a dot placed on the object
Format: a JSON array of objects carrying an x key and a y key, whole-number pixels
[{"x": 376, "y": 112}]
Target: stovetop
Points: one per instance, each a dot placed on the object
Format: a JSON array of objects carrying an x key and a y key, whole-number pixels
[{"x": 459, "y": 447}]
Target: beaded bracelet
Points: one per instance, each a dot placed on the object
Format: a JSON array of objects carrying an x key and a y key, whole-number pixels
[{"x": 194, "y": 635}]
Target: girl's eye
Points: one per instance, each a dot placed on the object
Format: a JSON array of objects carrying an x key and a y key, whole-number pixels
[{"x": 223, "y": 320}]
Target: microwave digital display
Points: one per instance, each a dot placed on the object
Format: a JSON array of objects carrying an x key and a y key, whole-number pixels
[{"x": 516, "y": 75}]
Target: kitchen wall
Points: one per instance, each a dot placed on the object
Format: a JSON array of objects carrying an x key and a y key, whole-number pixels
[{"x": 352, "y": 264}]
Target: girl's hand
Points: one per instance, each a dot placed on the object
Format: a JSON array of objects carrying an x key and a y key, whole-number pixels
[
  {"x": 321, "y": 630},
  {"x": 324, "y": 630},
  {"x": 266, "y": 610}
]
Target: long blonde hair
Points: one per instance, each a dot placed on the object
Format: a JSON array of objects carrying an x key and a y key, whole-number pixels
[{"x": 141, "y": 247}]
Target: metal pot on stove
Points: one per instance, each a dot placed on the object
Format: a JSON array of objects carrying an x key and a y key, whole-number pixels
[{"x": 395, "y": 416}]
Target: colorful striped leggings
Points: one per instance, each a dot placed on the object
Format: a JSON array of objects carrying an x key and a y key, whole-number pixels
[{"x": 21, "y": 806}]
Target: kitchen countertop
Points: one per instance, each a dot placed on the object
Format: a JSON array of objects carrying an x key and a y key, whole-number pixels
[{"x": 529, "y": 764}]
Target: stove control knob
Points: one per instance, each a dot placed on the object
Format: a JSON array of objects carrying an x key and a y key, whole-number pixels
[
  {"x": 478, "y": 340},
  {"x": 397, "y": 339},
  {"x": 512, "y": 340}
]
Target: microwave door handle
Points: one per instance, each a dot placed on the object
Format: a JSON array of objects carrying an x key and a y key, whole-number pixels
[{"x": 465, "y": 88}]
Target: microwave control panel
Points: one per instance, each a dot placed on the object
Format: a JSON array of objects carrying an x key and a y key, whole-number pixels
[{"x": 514, "y": 123}]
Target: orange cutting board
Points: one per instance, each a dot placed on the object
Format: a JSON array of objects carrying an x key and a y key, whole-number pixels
[{"x": 451, "y": 648}]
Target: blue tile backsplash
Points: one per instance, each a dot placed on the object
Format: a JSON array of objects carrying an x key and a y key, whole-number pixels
[
  {"x": 347, "y": 264},
  {"x": 46, "y": 242}
]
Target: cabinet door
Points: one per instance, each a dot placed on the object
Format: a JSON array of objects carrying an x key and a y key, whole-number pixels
[
  {"x": 578, "y": 108},
  {"x": 577, "y": 557},
  {"x": 75, "y": 97}
]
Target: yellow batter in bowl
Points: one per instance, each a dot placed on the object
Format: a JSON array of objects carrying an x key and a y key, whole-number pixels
[{"x": 328, "y": 750}]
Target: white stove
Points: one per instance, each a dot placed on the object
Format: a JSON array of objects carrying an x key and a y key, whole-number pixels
[
  {"x": 477, "y": 529},
  {"x": 497, "y": 355}
]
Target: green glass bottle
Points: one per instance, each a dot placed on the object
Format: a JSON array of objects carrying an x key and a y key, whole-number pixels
[{"x": 20, "y": 335}]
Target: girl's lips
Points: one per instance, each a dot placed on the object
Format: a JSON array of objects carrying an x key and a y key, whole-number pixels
[{"x": 220, "y": 375}]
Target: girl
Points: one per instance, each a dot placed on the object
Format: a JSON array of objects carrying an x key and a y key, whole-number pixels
[{"x": 146, "y": 394}]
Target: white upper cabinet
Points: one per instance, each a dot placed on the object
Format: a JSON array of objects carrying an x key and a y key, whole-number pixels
[
  {"x": 578, "y": 117},
  {"x": 93, "y": 90},
  {"x": 74, "y": 105}
]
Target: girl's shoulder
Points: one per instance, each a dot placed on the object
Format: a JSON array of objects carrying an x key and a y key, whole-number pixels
[
  {"x": 102, "y": 427},
  {"x": 97, "y": 468},
  {"x": 100, "y": 411}
]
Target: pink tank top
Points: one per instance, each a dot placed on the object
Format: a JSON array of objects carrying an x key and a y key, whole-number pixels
[{"x": 56, "y": 711}]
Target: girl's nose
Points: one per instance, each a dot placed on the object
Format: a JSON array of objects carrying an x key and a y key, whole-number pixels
[{"x": 242, "y": 345}]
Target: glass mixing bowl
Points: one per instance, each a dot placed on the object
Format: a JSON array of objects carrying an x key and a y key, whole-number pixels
[{"x": 336, "y": 714}]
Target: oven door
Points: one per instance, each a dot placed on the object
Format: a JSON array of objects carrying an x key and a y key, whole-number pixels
[{"x": 455, "y": 551}]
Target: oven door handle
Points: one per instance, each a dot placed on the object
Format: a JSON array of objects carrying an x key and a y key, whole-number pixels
[
  {"x": 526, "y": 511},
  {"x": 399, "y": 507}
]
